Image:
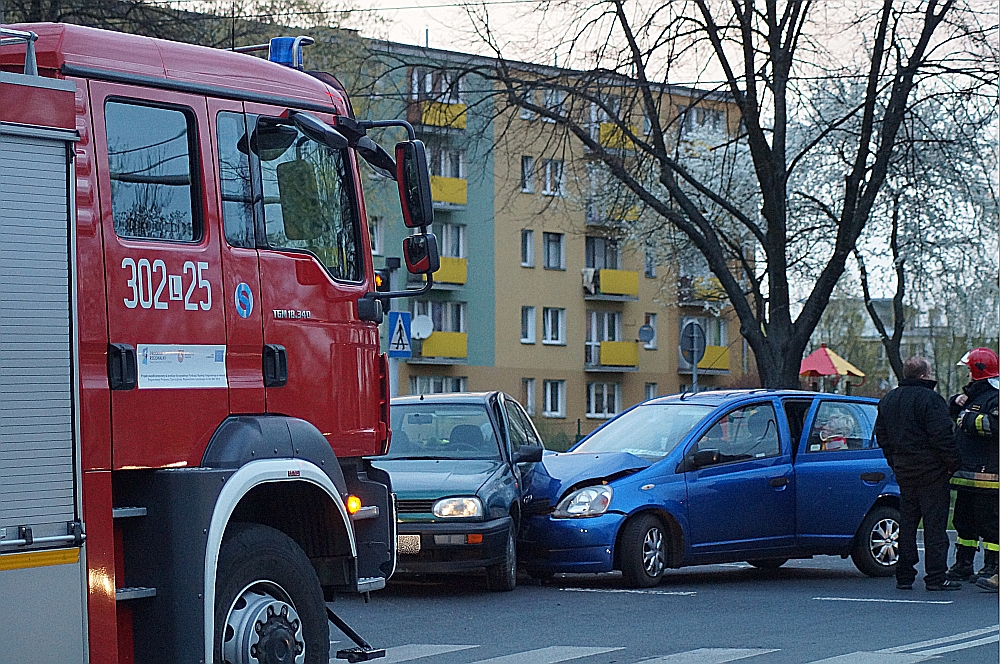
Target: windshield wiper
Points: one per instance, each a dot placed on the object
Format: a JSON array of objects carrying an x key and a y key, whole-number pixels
[{"x": 424, "y": 458}]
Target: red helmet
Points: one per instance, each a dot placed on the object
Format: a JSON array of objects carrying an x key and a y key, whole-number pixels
[{"x": 982, "y": 363}]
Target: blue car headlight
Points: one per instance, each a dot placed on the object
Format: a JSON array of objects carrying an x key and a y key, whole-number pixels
[{"x": 588, "y": 501}]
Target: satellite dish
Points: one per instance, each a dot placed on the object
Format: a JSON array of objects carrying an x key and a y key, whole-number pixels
[
  {"x": 646, "y": 333},
  {"x": 421, "y": 327}
]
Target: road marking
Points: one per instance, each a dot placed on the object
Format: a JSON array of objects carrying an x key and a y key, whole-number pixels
[
  {"x": 550, "y": 655},
  {"x": 709, "y": 656},
  {"x": 921, "y": 651},
  {"x": 944, "y": 639},
  {"x": 882, "y": 601},
  {"x": 413, "y": 651},
  {"x": 682, "y": 593}
]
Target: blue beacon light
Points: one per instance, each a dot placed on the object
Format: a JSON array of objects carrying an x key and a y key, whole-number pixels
[{"x": 288, "y": 50}]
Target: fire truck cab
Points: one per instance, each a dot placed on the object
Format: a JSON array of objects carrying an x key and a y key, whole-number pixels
[{"x": 190, "y": 374}]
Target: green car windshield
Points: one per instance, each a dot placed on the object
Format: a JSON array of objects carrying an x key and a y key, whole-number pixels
[
  {"x": 650, "y": 431},
  {"x": 442, "y": 431}
]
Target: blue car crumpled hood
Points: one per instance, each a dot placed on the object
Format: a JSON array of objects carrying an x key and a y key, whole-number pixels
[{"x": 558, "y": 472}]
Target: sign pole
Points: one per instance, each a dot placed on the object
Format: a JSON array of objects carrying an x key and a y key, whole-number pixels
[{"x": 393, "y": 361}]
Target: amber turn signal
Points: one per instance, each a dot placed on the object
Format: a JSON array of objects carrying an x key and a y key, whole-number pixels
[
  {"x": 353, "y": 504},
  {"x": 475, "y": 538}
]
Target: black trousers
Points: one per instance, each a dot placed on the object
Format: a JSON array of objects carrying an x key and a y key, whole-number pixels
[
  {"x": 931, "y": 503},
  {"x": 976, "y": 515}
]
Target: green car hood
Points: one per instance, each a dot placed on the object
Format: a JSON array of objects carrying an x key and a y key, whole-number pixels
[{"x": 425, "y": 479}]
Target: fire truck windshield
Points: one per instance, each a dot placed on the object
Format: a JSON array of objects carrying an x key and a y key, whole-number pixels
[{"x": 308, "y": 199}]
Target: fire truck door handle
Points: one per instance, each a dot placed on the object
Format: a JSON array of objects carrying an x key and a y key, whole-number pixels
[
  {"x": 122, "y": 367},
  {"x": 275, "y": 365}
]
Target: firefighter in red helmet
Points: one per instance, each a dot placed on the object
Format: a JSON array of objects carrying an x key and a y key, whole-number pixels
[{"x": 976, "y": 505}]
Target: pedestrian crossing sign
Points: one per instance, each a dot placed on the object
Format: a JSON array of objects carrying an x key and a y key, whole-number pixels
[{"x": 399, "y": 334}]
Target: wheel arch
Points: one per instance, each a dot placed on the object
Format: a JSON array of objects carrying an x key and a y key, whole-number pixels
[
  {"x": 260, "y": 483},
  {"x": 675, "y": 536}
]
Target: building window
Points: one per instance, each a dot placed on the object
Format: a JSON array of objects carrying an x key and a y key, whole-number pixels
[
  {"x": 375, "y": 234},
  {"x": 451, "y": 239},
  {"x": 699, "y": 117},
  {"x": 554, "y": 102},
  {"x": 555, "y": 184},
  {"x": 438, "y": 384},
  {"x": 150, "y": 163},
  {"x": 651, "y": 391},
  {"x": 554, "y": 331},
  {"x": 555, "y": 398},
  {"x": 528, "y": 174},
  {"x": 650, "y": 268},
  {"x": 555, "y": 251},
  {"x": 527, "y": 248},
  {"x": 447, "y": 316},
  {"x": 529, "y": 98},
  {"x": 651, "y": 321},
  {"x": 440, "y": 86},
  {"x": 527, "y": 325},
  {"x": 603, "y": 400},
  {"x": 446, "y": 162},
  {"x": 603, "y": 253},
  {"x": 647, "y": 125},
  {"x": 601, "y": 326},
  {"x": 528, "y": 394}
]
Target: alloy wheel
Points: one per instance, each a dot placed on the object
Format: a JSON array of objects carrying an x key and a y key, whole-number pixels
[
  {"x": 654, "y": 556},
  {"x": 883, "y": 542}
]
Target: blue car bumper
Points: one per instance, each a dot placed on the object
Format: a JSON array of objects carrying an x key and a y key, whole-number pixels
[{"x": 570, "y": 545}]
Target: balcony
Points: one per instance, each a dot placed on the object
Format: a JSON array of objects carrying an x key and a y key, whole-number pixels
[
  {"x": 449, "y": 193},
  {"x": 453, "y": 271},
  {"x": 616, "y": 356},
  {"x": 437, "y": 114},
  {"x": 714, "y": 362},
  {"x": 610, "y": 285},
  {"x": 441, "y": 348},
  {"x": 612, "y": 137},
  {"x": 698, "y": 291},
  {"x": 596, "y": 216}
]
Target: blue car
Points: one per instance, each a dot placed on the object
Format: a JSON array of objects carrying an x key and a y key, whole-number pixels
[{"x": 747, "y": 475}]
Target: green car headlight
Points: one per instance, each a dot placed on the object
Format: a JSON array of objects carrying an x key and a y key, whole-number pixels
[{"x": 466, "y": 507}]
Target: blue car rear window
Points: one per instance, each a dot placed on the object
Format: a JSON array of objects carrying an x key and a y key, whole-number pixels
[{"x": 650, "y": 431}]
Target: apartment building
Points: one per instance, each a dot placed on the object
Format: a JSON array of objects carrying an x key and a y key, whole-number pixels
[{"x": 539, "y": 294}]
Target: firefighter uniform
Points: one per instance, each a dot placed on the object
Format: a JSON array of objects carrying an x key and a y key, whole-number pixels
[{"x": 976, "y": 484}]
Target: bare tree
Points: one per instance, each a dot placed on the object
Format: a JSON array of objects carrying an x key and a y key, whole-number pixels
[{"x": 771, "y": 58}]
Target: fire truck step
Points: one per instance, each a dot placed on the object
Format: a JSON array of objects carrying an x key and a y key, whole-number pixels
[
  {"x": 364, "y": 652},
  {"x": 370, "y": 583},
  {"x": 127, "y": 512},
  {"x": 138, "y": 592}
]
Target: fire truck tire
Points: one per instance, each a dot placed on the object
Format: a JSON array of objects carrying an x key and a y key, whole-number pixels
[{"x": 268, "y": 602}]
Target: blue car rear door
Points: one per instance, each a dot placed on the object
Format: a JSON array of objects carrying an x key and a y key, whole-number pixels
[
  {"x": 745, "y": 501},
  {"x": 839, "y": 473}
]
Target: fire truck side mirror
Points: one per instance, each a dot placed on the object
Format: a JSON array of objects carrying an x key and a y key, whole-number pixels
[
  {"x": 414, "y": 183},
  {"x": 421, "y": 254},
  {"x": 299, "y": 197},
  {"x": 319, "y": 131}
]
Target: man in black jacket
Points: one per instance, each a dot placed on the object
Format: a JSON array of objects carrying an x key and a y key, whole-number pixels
[
  {"x": 976, "y": 516},
  {"x": 914, "y": 430}
]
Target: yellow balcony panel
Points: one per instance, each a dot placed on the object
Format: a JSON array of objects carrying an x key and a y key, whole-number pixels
[
  {"x": 449, "y": 190},
  {"x": 453, "y": 270},
  {"x": 716, "y": 359},
  {"x": 611, "y": 136},
  {"x": 446, "y": 344},
  {"x": 439, "y": 114},
  {"x": 619, "y": 354},
  {"x": 619, "y": 282}
]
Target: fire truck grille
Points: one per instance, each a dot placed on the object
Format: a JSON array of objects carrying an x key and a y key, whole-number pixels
[{"x": 414, "y": 506}]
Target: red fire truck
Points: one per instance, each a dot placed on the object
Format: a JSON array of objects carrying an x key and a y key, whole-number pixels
[{"x": 190, "y": 375}]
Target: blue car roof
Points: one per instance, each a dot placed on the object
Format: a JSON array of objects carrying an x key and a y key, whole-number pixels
[{"x": 726, "y": 397}]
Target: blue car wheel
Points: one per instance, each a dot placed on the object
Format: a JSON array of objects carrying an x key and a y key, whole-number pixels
[{"x": 643, "y": 553}]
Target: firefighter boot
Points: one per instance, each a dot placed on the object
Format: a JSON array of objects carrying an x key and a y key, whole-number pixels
[
  {"x": 989, "y": 584},
  {"x": 962, "y": 569},
  {"x": 989, "y": 566}
]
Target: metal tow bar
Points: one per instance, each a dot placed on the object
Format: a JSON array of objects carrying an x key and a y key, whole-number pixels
[{"x": 364, "y": 652}]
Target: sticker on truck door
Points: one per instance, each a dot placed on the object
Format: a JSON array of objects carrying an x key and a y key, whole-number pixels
[{"x": 168, "y": 366}]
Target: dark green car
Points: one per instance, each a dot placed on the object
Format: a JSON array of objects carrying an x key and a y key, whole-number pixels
[{"x": 460, "y": 465}]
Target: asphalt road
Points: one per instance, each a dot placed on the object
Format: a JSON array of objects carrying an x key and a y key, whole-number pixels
[{"x": 809, "y": 611}]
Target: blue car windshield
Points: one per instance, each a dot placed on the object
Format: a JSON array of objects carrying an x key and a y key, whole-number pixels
[
  {"x": 442, "y": 431},
  {"x": 650, "y": 431}
]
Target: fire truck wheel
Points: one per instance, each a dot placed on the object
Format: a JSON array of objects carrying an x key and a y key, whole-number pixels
[{"x": 269, "y": 607}]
